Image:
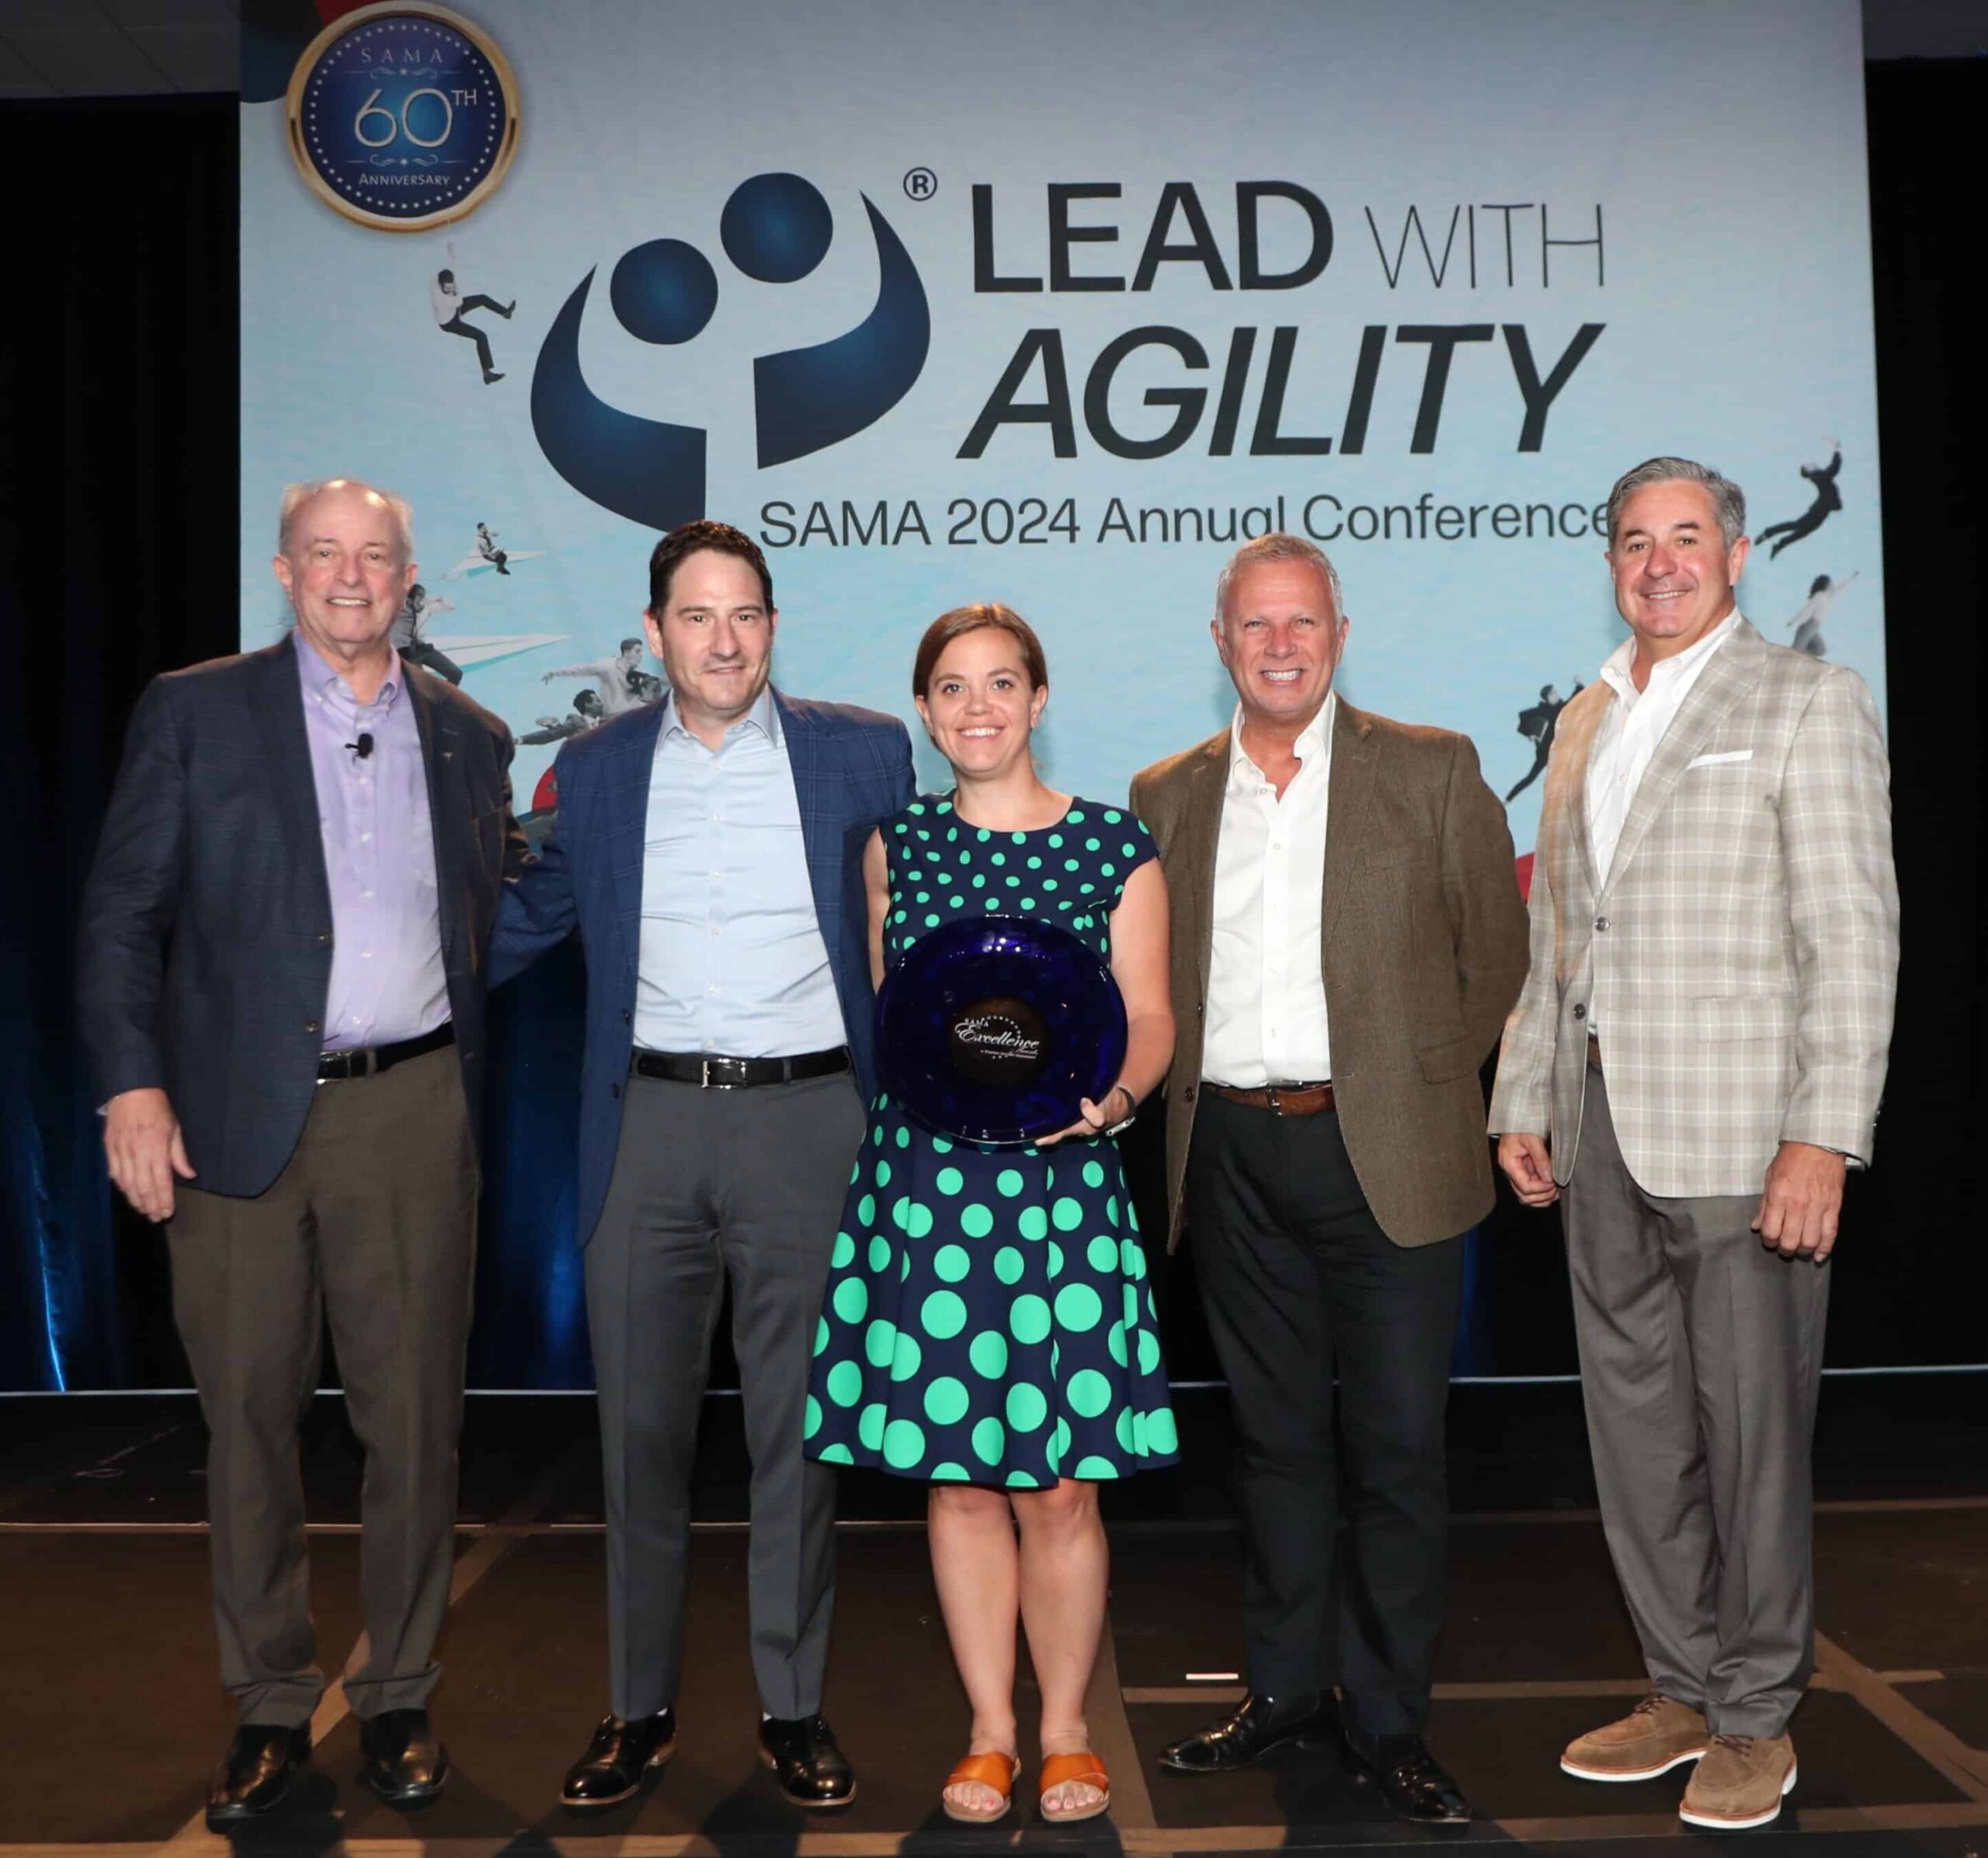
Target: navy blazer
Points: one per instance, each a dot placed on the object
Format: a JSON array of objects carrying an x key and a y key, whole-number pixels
[
  {"x": 204, "y": 955},
  {"x": 852, "y": 770}
]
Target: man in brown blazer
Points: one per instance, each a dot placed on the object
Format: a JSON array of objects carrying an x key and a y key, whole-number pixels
[{"x": 1348, "y": 937}]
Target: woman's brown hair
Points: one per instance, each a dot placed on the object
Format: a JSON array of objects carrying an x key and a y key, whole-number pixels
[{"x": 963, "y": 620}]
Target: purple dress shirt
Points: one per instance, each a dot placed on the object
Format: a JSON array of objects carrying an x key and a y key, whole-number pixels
[{"x": 388, "y": 980}]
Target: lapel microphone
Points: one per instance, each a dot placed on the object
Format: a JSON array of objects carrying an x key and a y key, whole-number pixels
[{"x": 363, "y": 746}]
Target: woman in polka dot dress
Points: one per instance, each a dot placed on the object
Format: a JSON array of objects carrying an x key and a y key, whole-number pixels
[{"x": 989, "y": 1327}]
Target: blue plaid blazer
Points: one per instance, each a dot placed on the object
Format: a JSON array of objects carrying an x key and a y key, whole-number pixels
[{"x": 852, "y": 770}]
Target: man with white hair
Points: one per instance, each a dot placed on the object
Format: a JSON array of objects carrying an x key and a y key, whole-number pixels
[
  {"x": 280, "y": 983},
  {"x": 1695, "y": 1061}
]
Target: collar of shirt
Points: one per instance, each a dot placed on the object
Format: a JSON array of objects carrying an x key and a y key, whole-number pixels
[
  {"x": 1685, "y": 664},
  {"x": 1314, "y": 739},
  {"x": 324, "y": 681},
  {"x": 763, "y": 716}
]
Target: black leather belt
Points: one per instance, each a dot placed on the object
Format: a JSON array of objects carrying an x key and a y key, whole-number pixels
[
  {"x": 370, "y": 1060},
  {"x": 710, "y": 1073}
]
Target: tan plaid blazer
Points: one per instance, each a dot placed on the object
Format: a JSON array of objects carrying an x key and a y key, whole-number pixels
[
  {"x": 1424, "y": 952},
  {"x": 1747, "y": 939}
]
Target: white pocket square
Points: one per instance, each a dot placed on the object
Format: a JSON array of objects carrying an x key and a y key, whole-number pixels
[{"x": 1719, "y": 760}]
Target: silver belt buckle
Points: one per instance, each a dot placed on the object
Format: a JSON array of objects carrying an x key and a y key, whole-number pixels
[{"x": 704, "y": 1073}]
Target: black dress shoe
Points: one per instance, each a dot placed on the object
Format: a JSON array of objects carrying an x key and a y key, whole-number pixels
[
  {"x": 1412, "y": 1781},
  {"x": 812, "y": 1770},
  {"x": 405, "y": 1763},
  {"x": 263, "y": 1763},
  {"x": 619, "y": 1759},
  {"x": 1262, "y": 1723}
]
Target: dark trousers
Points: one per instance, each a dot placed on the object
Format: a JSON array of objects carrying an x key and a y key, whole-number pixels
[
  {"x": 374, "y": 1233},
  {"x": 456, "y": 326},
  {"x": 1701, "y": 1358},
  {"x": 710, "y": 1185},
  {"x": 1298, "y": 1279}
]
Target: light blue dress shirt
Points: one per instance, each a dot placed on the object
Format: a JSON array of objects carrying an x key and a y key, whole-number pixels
[{"x": 732, "y": 961}]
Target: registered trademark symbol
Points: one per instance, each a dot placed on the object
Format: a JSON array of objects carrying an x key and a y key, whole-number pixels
[{"x": 920, "y": 183}]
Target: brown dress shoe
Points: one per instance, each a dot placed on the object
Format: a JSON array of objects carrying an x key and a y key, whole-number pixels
[
  {"x": 1741, "y": 1783},
  {"x": 1652, "y": 1738}
]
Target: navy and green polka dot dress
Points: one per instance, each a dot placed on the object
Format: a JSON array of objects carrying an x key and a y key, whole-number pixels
[{"x": 989, "y": 1319}]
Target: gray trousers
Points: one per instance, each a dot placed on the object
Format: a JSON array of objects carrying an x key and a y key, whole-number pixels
[
  {"x": 371, "y": 1227},
  {"x": 710, "y": 1185},
  {"x": 1702, "y": 1354}
]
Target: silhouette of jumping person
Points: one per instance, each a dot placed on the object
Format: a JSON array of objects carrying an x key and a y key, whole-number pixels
[
  {"x": 486, "y": 546},
  {"x": 1808, "y": 621},
  {"x": 587, "y": 713},
  {"x": 1829, "y": 500},
  {"x": 1536, "y": 724},
  {"x": 450, "y": 307},
  {"x": 406, "y": 636},
  {"x": 615, "y": 678}
]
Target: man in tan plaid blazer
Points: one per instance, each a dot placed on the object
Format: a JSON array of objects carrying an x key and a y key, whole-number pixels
[{"x": 1695, "y": 1060}]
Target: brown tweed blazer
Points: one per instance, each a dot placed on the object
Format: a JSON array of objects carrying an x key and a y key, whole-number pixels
[{"x": 1425, "y": 947}]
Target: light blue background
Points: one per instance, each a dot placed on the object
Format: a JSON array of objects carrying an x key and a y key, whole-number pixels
[{"x": 1723, "y": 140}]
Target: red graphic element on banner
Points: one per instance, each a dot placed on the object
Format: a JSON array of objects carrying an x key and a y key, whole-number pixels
[
  {"x": 545, "y": 796},
  {"x": 1523, "y": 865},
  {"x": 328, "y": 10}
]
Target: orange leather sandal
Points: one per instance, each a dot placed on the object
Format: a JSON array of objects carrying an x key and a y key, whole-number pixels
[
  {"x": 1060, "y": 1770},
  {"x": 995, "y": 1770}
]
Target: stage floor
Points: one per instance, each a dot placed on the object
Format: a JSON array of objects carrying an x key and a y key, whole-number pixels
[{"x": 104, "y": 1617}]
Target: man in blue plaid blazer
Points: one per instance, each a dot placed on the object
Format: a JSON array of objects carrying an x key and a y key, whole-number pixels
[{"x": 708, "y": 850}]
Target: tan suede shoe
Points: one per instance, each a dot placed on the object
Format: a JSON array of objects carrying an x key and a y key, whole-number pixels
[
  {"x": 1741, "y": 1781},
  {"x": 1652, "y": 1738}
]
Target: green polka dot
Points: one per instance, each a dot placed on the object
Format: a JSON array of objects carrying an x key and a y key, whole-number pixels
[
  {"x": 1091, "y": 845},
  {"x": 1149, "y": 1351},
  {"x": 1075, "y": 816},
  {"x": 1027, "y": 1408},
  {"x": 1010, "y": 1182},
  {"x": 852, "y": 1299},
  {"x": 1123, "y": 1431},
  {"x": 1129, "y": 849},
  {"x": 866, "y": 1210},
  {"x": 1103, "y": 1253},
  {"x": 1160, "y": 1435},
  {"x": 904, "y": 1267},
  {"x": 1111, "y": 1208},
  {"x": 1027, "y": 903},
  {"x": 821, "y": 1334},
  {"x": 883, "y": 1174},
  {"x": 918, "y": 1219},
  {"x": 1059, "y": 1444},
  {"x": 976, "y": 1221},
  {"x": 811, "y": 1422},
  {"x": 1034, "y": 1223},
  {"x": 1008, "y": 1265},
  {"x": 1115, "y": 1341},
  {"x": 878, "y": 1340},
  {"x": 943, "y": 1315},
  {"x": 983, "y": 834},
  {"x": 880, "y": 1253},
  {"x": 946, "y": 1400},
  {"x": 941, "y": 1145},
  {"x": 952, "y": 1262},
  {"x": 1094, "y": 1174},
  {"x": 1035, "y": 864},
  {"x": 988, "y": 1354},
  {"x": 903, "y": 1137},
  {"x": 990, "y": 1440},
  {"x": 845, "y": 1249},
  {"x": 949, "y": 1181},
  {"x": 1112, "y": 818},
  {"x": 1068, "y": 1214},
  {"x": 1021, "y": 1480},
  {"x": 1132, "y": 1306},
  {"x": 1056, "y": 839},
  {"x": 1132, "y": 1259},
  {"x": 949, "y": 1474},
  {"x": 1028, "y": 1318},
  {"x": 837, "y": 1454},
  {"x": 904, "y": 1444},
  {"x": 845, "y": 1383},
  {"x": 1089, "y": 1392},
  {"x": 1095, "y": 1467},
  {"x": 931, "y": 921},
  {"x": 900, "y": 1211},
  {"x": 1055, "y": 1259},
  {"x": 1077, "y": 1307},
  {"x": 906, "y": 1355},
  {"x": 869, "y": 1426}
]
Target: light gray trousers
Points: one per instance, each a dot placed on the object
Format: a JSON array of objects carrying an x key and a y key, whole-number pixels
[
  {"x": 1702, "y": 1354},
  {"x": 709, "y": 1186}
]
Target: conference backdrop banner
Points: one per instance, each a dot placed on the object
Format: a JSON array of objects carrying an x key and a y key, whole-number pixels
[{"x": 1055, "y": 304}]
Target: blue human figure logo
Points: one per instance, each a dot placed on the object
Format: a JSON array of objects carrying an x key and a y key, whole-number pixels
[{"x": 775, "y": 228}]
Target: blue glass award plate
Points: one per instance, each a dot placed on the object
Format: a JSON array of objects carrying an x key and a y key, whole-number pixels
[{"x": 994, "y": 1029}]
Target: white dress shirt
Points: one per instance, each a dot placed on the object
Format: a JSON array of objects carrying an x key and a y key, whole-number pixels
[
  {"x": 1267, "y": 988},
  {"x": 733, "y": 960},
  {"x": 1628, "y": 737}
]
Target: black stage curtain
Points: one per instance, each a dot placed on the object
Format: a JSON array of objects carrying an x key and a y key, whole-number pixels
[{"x": 119, "y": 520}]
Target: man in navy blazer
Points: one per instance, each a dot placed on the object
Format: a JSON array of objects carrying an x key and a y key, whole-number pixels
[
  {"x": 708, "y": 850},
  {"x": 280, "y": 981}
]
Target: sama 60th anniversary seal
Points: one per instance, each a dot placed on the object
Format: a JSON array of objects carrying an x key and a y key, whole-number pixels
[{"x": 403, "y": 116}]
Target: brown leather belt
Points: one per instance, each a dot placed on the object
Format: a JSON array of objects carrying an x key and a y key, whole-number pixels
[{"x": 1279, "y": 1099}]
